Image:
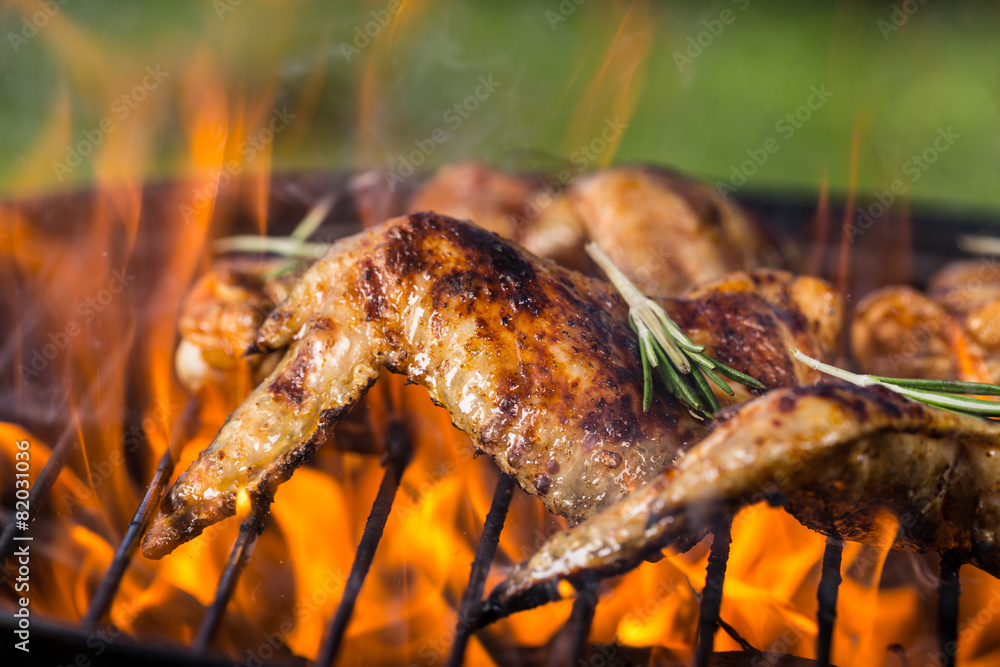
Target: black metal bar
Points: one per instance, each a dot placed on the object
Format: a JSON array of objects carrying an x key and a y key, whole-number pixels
[
  {"x": 578, "y": 624},
  {"x": 398, "y": 455},
  {"x": 105, "y": 594},
  {"x": 468, "y": 609},
  {"x": 829, "y": 586},
  {"x": 238, "y": 558},
  {"x": 39, "y": 491},
  {"x": 711, "y": 597},
  {"x": 57, "y": 643},
  {"x": 949, "y": 589}
]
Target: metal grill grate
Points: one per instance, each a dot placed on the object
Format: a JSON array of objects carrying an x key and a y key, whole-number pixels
[{"x": 472, "y": 615}]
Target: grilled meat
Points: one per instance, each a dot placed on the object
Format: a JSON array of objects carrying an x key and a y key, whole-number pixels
[
  {"x": 835, "y": 456},
  {"x": 220, "y": 318},
  {"x": 666, "y": 232},
  {"x": 899, "y": 332},
  {"x": 536, "y": 363},
  {"x": 951, "y": 333},
  {"x": 970, "y": 291},
  {"x": 494, "y": 199}
]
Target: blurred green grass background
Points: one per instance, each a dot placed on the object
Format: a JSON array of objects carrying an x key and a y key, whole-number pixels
[{"x": 896, "y": 80}]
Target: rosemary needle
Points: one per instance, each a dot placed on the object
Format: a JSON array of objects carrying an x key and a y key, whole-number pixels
[
  {"x": 682, "y": 365},
  {"x": 949, "y": 394},
  {"x": 295, "y": 245}
]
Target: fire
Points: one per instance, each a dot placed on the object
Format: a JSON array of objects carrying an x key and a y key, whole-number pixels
[{"x": 98, "y": 331}]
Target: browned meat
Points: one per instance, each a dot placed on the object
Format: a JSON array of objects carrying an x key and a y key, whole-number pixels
[
  {"x": 221, "y": 315},
  {"x": 666, "y": 232},
  {"x": 951, "y": 333},
  {"x": 899, "y": 332},
  {"x": 494, "y": 199},
  {"x": 835, "y": 456},
  {"x": 536, "y": 363},
  {"x": 970, "y": 291}
]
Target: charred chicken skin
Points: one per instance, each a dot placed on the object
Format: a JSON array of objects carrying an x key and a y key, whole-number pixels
[
  {"x": 835, "y": 456},
  {"x": 536, "y": 363},
  {"x": 666, "y": 231}
]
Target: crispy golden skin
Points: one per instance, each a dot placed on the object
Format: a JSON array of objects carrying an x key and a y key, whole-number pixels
[
  {"x": 473, "y": 190},
  {"x": 897, "y": 331},
  {"x": 970, "y": 291},
  {"x": 221, "y": 315},
  {"x": 665, "y": 231},
  {"x": 536, "y": 363},
  {"x": 901, "y": 332},
  {"x": 835, "y": 456}
]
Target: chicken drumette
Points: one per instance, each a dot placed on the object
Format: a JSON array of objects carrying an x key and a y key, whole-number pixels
[{"x": 536, "y": 363}]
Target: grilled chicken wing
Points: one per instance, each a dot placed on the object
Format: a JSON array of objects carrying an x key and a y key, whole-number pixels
[
  {"x": 970, "y": 291},
  {"x": 951, "y": 333},
  {"x": 835, "y": 456},
  {"x": 472, "y": 190},
  {"x": 666, "y": 232},
  {"x": 536, "y": 363},
  {"x": 221, "y": 315},
  {"x": 899, "y": 332}
]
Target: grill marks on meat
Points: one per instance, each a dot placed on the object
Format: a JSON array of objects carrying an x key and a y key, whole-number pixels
[
  {"x": 835, "y": 456},
  {"x": 536, "y": 363}
]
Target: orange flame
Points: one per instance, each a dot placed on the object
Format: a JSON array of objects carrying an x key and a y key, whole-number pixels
[{"x": 109, "y": 324}]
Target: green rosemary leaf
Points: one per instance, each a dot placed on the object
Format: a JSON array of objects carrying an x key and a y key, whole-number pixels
[
  {"x": 742, "y": 378},
  {"x": 680, "y": 388},
  {"x": 930, "y": 392},
  {"x": 717, "y": 379},
  {"x": 951, "y": 386},
  {"x": 705, "y": 391},
  {"x": 647, "y": 378}
]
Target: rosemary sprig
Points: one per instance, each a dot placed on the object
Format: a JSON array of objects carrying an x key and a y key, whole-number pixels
[
  {"x": 948, "y": 394},
  {"x": 295, "y": 245},
  {"x": 683, "y": 366}
]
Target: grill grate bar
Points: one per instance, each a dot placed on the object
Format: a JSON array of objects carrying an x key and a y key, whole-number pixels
[
  {"x": 238, "y": 558},
  {"x": 949, "y": 589},
  {"x": 468, "y": 610},
  {"x": 398, "y": 456},
  {"x": 711, "y": 596},
  {"x": 579, "y": 622},
  {"x": 829, "y": 586},
  {"x": 39, "y": 490},
  {"x": 105, "y": 594}
]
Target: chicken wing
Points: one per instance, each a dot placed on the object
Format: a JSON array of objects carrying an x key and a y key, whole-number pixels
[
  {"x": 536, "y": 363},
  {"x": 220, "y": 318},
  {"x": 835, "y": 456},
  {"x": 666, "y": 232},
  {"x": 951, "y": 333}
]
